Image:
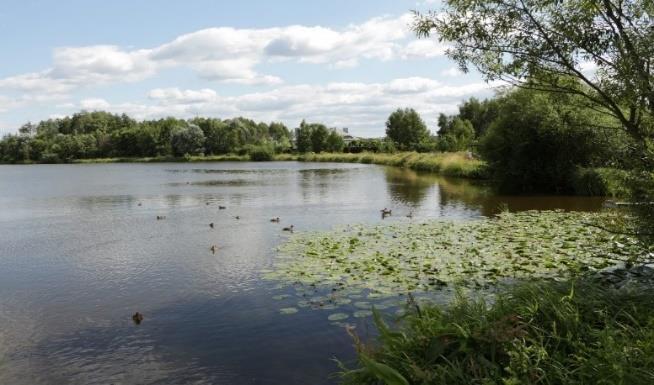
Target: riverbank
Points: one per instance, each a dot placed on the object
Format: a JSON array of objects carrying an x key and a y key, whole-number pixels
[
  {"x": 455, "y": 164},
  {"x": 586, "y": 181},
  {"x": 583, "y": 331}
]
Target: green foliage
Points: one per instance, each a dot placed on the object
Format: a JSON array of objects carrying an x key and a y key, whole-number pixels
[
  {"x": 319, "y": 134},
  {"x": 334, "y": 142},
  {"x": 538, "y": 141},
  {"x": 316, "y": 137},
  {"x": 449, "y": 164},
  {"x": 261, "y": 153},
  {"x": 394, "y": 259},
  {"x": 187, "y": 140},
  {"x": 370, "y": 145},
  {"x": 601, "y": 182},
  {"x": 406, "y": 128},
  {"x": 456, "y": 135},
  {"x": 547, "y": 46},
  {"x": 90, "y": 135},
  {"x": 577, "y": 332}
]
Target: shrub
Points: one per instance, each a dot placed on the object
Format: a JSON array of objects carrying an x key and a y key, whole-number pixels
[{"x": 261, "y": 153}]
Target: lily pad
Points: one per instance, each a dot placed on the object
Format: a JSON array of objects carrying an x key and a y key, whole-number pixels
[
  {"x": 362, "y": 313},
  {"x": 288, "y": 310},
  {"x": 338, "y": 316}
]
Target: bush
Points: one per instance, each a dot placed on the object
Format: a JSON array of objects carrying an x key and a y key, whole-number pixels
[
  {"x": 600, "y": 182},
  {"x": 538, "y": 140},
  {"x": 261, "y": 153}
]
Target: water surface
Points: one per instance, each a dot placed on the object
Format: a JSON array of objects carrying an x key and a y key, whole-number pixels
[{"x": 81, "y": 250}]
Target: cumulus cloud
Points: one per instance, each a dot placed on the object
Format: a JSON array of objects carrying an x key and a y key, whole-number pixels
[
  {"x": 94, "y": 104},
  {"x": 363, "y": 107},
  {"x": 228, "y": 55}
]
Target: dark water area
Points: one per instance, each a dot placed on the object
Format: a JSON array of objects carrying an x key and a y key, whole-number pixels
[{"x": 81, "y": 250}]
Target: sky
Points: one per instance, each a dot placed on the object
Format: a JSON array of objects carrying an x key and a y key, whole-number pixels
[{"x": 342, "y": 63}]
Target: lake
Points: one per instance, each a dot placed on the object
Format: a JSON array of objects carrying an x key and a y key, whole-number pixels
[{"x": 81, "y": 250}]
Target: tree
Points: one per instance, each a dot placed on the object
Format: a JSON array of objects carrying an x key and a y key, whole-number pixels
[
  {"x": 544, "y": 44},
  {"x": 187, "y": 140},
  {"x": 303, "y": 137},
  {"x": 319, "y": 134},
  {"x": 540, "y": 139},
  {"x": 335, "y": 142},
  {"x": 406, "y": 128},
  {"x": 550, "y": 45},
  {"x": 457, "y": 135}
]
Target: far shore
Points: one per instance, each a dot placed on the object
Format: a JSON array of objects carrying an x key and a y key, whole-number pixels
[{"x": 454, "y": 164}]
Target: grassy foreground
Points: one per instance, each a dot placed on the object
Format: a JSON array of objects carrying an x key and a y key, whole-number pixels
[{"x": 577, "y": 332}]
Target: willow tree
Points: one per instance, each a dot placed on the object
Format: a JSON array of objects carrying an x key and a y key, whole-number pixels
[
  {"x": 606, "y": 45},
  {"x": 602, "y": 50}
]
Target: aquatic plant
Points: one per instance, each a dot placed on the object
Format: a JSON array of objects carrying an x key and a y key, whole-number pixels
[{"x": 370, "y": 264}]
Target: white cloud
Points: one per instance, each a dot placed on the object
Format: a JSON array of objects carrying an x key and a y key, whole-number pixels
[
  {"x": 94, "y": 104},
  {"x": 177, "y": 96},
  {"x": 412, "y": 85},
  {"x": 228, "y": 55},
  {"x": 363, "y": 107}
]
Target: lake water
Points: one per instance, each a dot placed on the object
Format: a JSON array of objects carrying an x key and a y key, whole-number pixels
[{"x": 81, "y": 250}]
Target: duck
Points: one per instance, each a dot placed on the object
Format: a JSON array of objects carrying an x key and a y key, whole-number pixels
[
  {"x": 213, "y": 249},
  {"x": 386, "y": 211},
  {"x": 410, "y": 214},
  {"x": 211, "y": 225},
  {"x": 139, "y": 204},
  {"x": 276, "y": 220},
  {"x": 221, "y": 207},
  {"x": 137, "y": 318},
  {"x": 160, "y": 217},
  {"x": 237, "y": 217},
  {"x": 289, "y": 228}
]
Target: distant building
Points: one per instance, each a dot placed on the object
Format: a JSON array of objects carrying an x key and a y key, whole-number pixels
[{"x": 345, "y": 133}]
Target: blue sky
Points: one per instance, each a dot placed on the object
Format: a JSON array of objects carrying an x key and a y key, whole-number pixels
[{"x": 344, "y": 63}]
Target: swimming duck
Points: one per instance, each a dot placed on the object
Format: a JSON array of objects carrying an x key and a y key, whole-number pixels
[
  {"x": 213, "y": 249},
  {"x": 276, "y": 220},
  {"x": 237, "y": 217},
  {"x": 139, "y": 204},
  {"x": 289, "y": 228},
  {"x": 410, "y": 214},
  {"x": 221, "y": 207},
  {"x": 137, "y": 318},
  {"x": 160, "y": 217},
  {"x": 211, "y": 225},
  {"x": 386, "y": 211}
]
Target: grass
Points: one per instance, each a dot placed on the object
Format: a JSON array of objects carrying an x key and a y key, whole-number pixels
[
  {"x": 449, "y": 164},
  {"x": 576, "y": 332},
  {"x": 162, "y": 159}
]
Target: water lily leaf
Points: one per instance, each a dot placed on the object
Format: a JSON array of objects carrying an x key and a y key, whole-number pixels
[{"x": 338, "y": 316}]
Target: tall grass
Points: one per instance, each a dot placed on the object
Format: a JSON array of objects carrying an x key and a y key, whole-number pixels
[
  {"x": 448, "y": 163},
  {"x": 544, "y": 333}
]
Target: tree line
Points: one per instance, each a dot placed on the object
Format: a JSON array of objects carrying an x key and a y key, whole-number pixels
[
  {"x": 102, "y": 135},
  {"x": 532, "y": 140}
]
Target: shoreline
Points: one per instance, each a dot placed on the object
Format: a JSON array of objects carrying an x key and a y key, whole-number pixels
[{"x": 455, "y": 164}]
